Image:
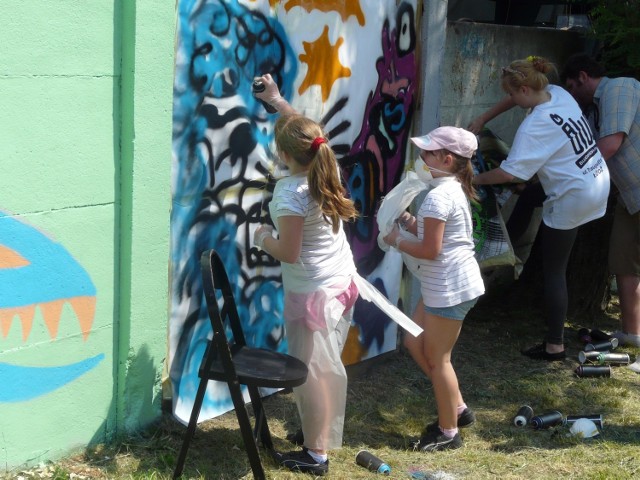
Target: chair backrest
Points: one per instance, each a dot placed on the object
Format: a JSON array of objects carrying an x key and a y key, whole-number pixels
[{"x": 215, "y": 281}]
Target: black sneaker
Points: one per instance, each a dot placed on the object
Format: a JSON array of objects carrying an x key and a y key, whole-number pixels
[
  {"x": 296, "y": 438},
  {"x": 465, "y": 419},
  {"x": 301, "y": 461},
  {"x": 539, "y": 352},
  {"x": 434, "y": 441}
]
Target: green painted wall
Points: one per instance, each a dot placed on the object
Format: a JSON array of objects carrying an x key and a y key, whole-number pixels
[{"x": 85, "y": 201}]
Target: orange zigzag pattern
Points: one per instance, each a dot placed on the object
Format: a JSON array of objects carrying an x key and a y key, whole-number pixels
[{"x": 84, "y": 308}]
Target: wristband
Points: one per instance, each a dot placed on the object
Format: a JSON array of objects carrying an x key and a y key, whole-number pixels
[{"x": 397, "y": 242}]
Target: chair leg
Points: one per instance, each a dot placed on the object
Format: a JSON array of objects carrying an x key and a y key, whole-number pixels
[
  {"x": 250, "y": 444},
  {"x": 191, "y": 428},
  {"x": 261, "y": 429}
]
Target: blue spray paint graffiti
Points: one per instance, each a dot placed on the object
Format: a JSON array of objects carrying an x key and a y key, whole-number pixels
[
  {"x": 36, "y": 271},
  {"x": 27, "y": 383},
  {"x": 222, "y": 159}
]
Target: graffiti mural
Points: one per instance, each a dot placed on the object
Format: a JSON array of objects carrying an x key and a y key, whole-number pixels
[
  {"x": 37, "y": 272},
  {"x": 224, "y": 164}
]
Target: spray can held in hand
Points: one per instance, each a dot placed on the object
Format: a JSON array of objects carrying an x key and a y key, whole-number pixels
[
  {"x": 257, "y": 86},
  {"x": 371, "y": 462}
]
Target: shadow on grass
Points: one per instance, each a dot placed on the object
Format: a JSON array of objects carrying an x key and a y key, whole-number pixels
[{"x": 390, "y": 400}]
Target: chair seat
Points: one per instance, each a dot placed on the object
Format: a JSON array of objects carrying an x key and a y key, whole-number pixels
[{"x": 263, "y": 368}]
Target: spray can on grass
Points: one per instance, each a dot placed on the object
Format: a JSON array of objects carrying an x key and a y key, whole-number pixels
[
  {"x": 599, "y": 335},
  {"x": 584, "y": 336},
  {"x": 595, "y": 418},
  {"x": 614, "y": 359},
  {"x": 593, "y": 371},
  {"x": 369, "y": 461},
  {"x": 546, "y": 420},
  {"x": 601, "y": 346},
  {"x": 523, "y": 416},
  {"x": 589, "y": 357}
]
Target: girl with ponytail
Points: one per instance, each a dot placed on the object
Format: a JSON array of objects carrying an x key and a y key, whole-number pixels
[
  {"x": 450, "y": 279},
  {"x": 308, "y": 210}
]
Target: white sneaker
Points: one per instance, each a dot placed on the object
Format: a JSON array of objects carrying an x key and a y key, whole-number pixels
[{"x": 635, "y": 366}]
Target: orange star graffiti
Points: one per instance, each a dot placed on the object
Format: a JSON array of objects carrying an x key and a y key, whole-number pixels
[
  {"x": 345, "y": 8},
  {"x": 324, "y": 65}
]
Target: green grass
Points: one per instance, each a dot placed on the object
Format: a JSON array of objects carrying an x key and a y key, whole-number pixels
[{"x": 390, "y": 401}]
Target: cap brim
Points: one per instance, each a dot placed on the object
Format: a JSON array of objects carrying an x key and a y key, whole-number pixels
[{"x": 425, "y": 143}]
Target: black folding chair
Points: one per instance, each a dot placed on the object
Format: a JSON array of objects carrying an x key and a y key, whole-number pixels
[{"x": 233, "y": 362}]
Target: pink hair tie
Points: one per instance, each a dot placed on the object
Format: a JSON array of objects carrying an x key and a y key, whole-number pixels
[{"x": 315, "y": 145}]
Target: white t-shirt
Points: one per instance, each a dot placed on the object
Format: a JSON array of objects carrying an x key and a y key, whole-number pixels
[
  {"x": 453, "y": 276},
  {"x": 325, "y": 258},
  {"x": 555, "y": 142}
]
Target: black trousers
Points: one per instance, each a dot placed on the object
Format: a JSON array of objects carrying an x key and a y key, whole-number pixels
[{"x": 556, "y": 249}]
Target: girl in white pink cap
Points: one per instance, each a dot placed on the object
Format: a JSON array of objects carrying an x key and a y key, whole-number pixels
[{"x": 449, "y": 273}]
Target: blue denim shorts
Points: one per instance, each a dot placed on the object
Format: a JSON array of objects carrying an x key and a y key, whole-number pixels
[{"x": 455, "y": 312}]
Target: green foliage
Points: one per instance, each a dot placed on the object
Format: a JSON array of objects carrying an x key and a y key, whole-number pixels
[{"x": 617, "y": 25}]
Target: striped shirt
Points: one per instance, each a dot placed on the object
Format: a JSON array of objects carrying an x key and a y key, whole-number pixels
[
  {"x": 325, "y": 258},
  {"x": 453, "y": 276},
  {"x": 618, "y": 103}
]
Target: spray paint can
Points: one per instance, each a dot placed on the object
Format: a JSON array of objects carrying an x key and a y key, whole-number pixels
[
  {"x": 614, "y": 359},
  {"x": 605, "y": 345},
  {"x": 591, "y": 357},
  {"x": 599, "y": 335},
  {"x": 369, "y": 461},
  {"x": 583, "y": 335},
  {"x": 523, "y": 416},
  {"x": 257, "y": 86},
  {"x": 595, "y": 418},
  {"x": 546, "y": 420},
  {"x": 593, "y": 371}
]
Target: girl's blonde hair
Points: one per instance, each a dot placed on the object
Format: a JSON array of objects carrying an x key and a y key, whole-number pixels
[
  {"x": 529, "y": 72},
  {"x": 463, "y": 172},
  {"x": 298, "y": 136}
]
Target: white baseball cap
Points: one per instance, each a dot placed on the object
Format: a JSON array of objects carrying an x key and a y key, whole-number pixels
[{"x": 457, "y": 140}]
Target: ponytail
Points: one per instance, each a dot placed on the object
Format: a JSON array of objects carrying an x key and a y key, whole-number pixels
[
  {"x": 464, "y": 174},
  {"x": 532, "y": 72},
  {"x": 304, "y": 140},
  {"x": 327, "y": 189}
]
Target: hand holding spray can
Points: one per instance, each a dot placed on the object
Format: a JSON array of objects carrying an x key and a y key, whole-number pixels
[{"x": 257, "y": 87}]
